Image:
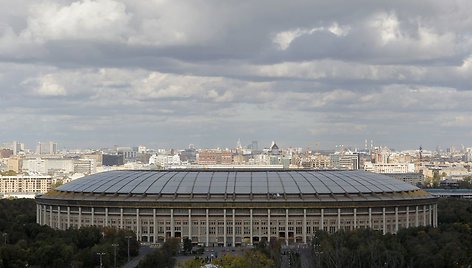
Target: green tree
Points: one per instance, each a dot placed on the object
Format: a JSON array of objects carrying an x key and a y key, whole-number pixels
[
  {"x": 187, "y": 245},
  {"x": 8, "y": 173},
  {"x": 192, "y": 263},
  {"x": 162, "y": 257},
  {"x": 251, "y": 258},
  {"x": 158, "y": 258}
]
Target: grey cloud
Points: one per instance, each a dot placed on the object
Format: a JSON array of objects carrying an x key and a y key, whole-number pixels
[{"x": 169, "y": 73}]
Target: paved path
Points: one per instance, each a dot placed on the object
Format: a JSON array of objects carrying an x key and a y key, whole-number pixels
[{"x": 143, "y": 251}]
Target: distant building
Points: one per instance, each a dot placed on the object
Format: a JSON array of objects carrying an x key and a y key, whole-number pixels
[
  {"x": 389, "y": 167},
  {"x": 141, "y": 149},
  {"x": 25, "y": 184},
  {"x": 164, "y": 160},
  {"x": 17, "y": 147},
  {"x": 112, "y": 160},
  {"x": 96, "y": 157},
  {"x": 345, "y": 160},
  {"x": 274, "y": 149},
  {"x": 380, "y": 155},
  {"x": 46, "y": 148},
  {"x": 214, "y": 157},
  {"x": 451, "y": 193},
  {"x": 15, "y": 164},
  {"x": 6, "y": 153},
  {"x": 412, "y": 178},
  {"x": 188, "y": 155},
  {"x": 84, "y": 166},
  {"x": 449, "y": 183},
  {"x": 254, "y": 146},
  {"x": 128, "y": 153},
  {"x": 316, "y": 162},
  {"x": 47, "y": 166}
]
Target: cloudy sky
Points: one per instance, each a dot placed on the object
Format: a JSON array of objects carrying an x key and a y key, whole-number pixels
[{"x": 170, "y": 73}]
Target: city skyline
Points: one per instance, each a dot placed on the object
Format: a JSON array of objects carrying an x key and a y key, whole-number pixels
[{"x": 105, "y": 72}]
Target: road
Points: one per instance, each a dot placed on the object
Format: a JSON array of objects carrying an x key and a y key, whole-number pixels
[{"x": 143, "y": 251}]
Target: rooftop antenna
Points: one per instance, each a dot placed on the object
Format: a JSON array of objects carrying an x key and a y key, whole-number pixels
[{"x": 421, "y": 153}]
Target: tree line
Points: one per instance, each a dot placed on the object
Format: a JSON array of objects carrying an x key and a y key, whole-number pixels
[
  {"x": 27, "y": 244},
  {"x": 449, "y": 245}
]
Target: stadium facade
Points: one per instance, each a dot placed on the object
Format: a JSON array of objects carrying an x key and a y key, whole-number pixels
[{"x": 237, "y": 207}]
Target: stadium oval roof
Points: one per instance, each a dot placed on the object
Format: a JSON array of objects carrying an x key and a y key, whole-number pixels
[{"x": 236, "y": 182}]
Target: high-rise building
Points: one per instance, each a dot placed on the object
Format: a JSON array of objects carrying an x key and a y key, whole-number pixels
[
  {"x": 15, "y": 164},
  {"x": 46, "y": 148}
]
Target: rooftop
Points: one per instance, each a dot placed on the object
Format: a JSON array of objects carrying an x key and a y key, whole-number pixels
[{"x": 231, "y": 182}]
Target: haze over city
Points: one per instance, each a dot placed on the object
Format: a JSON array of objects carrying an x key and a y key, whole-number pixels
[{"x": 166, "y": 74}]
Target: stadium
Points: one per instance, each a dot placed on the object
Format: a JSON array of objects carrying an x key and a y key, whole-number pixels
[{"x": 237, "y": 207}]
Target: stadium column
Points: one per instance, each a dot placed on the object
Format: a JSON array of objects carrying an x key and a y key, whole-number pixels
[
  {"x": 106, "y": 217},
  {"x": 435, "y": 215},
  {"x": 268, "y": 225},
  {"x": 384, "y": 221},
  {"x": 339, "y": 220},
  {"x": 68, "y": 217},
  {"x": 224, "y": 227},
  {"x": 430, "y": 218},
  {"x": 322, "y": 220},
  {"x": 251, "y": 226},
  {"x": 424, "y": 215},
  {"x": 172, "y": 234},
  {"x": 355, "y": 218},
  {"x": 154, "y": 224},
  {"x": 80, "y": 218},
  {"x": 417, "y": 222},
  {"x": 304, "y": 226},
  {"x": 121, "y": 218},
  {"x": 407, "y": 216},
  {"x": 59, "y": 217},
  {"x": 138, "y": 234},
  {"x": 286, "y": 226},
  {"x": 396, "y": 219},
  {"x": 93, "y": 216},
  {"x": 207, "y": 229},
  {"x": 190, "y": 224},
  {"x": 50, "y": 217},
  {"x": 45, "y": 213},
  {"x": 370, "y": 218},
  {"x": 38, "y": 214},
  {"x": 234, "y": 228}
]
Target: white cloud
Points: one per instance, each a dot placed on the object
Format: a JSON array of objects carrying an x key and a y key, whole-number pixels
[
  {"x": 48, "y": 86},
  {"x": 85, "y": 19},
  {"x": 339, "y": 30},
  {"x": 388, "y": 27},
  {"x": 285, "y": 38}
]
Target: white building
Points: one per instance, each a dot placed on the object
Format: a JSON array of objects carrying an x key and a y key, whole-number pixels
[
  {"x": 45, "y": 166},
  {"x": 165, "y": 160},
  {"x": 25, "y": 184},
  {"x": 389, "y": 167}
]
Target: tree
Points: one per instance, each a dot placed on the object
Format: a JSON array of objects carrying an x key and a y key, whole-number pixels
[
  {"x": 162, "y": 257},
  {"x": 158, "y": 258},
  {"x": 252, "y": 258},
  {"x": 8, "y": 173},
  {"x": 466, "y": 182},
  {"x": 197, "y": 262},
  {"x": 187, "y": 245}
]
